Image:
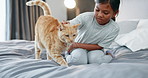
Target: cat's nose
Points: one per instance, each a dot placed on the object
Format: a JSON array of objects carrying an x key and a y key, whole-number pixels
[{"x": 71, "y": 41}]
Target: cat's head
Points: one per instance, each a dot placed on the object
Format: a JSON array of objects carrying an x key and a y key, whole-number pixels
[{"x": 67, "y": 33}]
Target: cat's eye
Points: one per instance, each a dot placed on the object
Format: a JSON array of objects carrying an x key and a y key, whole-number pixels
[
  {"x": 67, "y": 35},
  {"x": 74, "y": 35}
]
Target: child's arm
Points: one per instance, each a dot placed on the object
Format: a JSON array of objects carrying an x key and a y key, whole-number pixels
[{"x": 84, "y": 46}]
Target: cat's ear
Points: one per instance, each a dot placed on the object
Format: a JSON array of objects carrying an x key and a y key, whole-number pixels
[
  {"x": 76, "y": 26},
  {"x": 61, "y": 26}
]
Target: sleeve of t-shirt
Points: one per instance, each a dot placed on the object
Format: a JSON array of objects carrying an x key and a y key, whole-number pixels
[
  {"x": 77, "y": 20},
  {"x": 109, "y": 39}
]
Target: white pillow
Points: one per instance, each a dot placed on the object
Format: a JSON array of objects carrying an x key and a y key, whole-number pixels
[
  {"x": 127, "y": 26},
  {"x": 136, "y": 39}
]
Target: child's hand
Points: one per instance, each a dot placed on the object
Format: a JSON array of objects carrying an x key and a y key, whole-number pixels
[
  {"x": 65, "y": 22},
  {"x": 72, "y": 46}
]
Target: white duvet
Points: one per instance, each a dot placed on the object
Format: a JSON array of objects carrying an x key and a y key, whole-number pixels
[{"x": 17, "y": 61}]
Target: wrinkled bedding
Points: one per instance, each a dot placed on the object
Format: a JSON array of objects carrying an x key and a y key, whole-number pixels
[{"x": 17, "y": 61}]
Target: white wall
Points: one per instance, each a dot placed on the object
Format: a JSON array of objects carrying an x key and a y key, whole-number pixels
[
  {"x": 133, "y": 9},
  {"x": 2, "y": 20},
  {"x": 129, "y": 9},
  {"x": 58, "y": 9}
]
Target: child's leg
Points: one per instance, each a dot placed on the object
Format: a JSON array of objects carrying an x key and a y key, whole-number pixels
[
  {"x": 77, "y": 56},
  {"x": 98, "y": 56}
]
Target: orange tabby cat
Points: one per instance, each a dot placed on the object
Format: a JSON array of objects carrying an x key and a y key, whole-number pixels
[{"x": 52, "y": 35}]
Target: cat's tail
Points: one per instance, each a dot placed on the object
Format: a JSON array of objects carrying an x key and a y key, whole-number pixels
[{"x": 42, "y": 4}]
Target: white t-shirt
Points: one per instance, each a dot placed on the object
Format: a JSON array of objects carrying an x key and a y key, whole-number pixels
[{"x": 91, "y": 32}]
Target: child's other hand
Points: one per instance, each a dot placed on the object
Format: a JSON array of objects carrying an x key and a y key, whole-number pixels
[
  {"x": 72, "y": 46},
  {"x": 65, "y": 22}
]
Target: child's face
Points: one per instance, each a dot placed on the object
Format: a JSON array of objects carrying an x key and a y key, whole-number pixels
[{"x": 103, "y": 13}]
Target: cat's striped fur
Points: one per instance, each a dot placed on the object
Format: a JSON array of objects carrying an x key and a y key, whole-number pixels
[{"x": 51, "y": 35}]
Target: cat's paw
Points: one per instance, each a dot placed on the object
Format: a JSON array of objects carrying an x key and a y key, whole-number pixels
[{"x": 65, "y": 65}]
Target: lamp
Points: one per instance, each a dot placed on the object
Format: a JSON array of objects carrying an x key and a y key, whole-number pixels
[{"x": 70, "y": 3}]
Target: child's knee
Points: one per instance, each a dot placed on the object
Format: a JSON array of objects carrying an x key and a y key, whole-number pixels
[
  {"x": 98, "y": 56},
  {"x": 77, "y": 56}
]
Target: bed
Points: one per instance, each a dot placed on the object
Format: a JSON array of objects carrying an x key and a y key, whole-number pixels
[{"x": 17, "y": 58}]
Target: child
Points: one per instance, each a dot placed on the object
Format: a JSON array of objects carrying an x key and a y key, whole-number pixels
[{"x": 96, "y": 32}]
